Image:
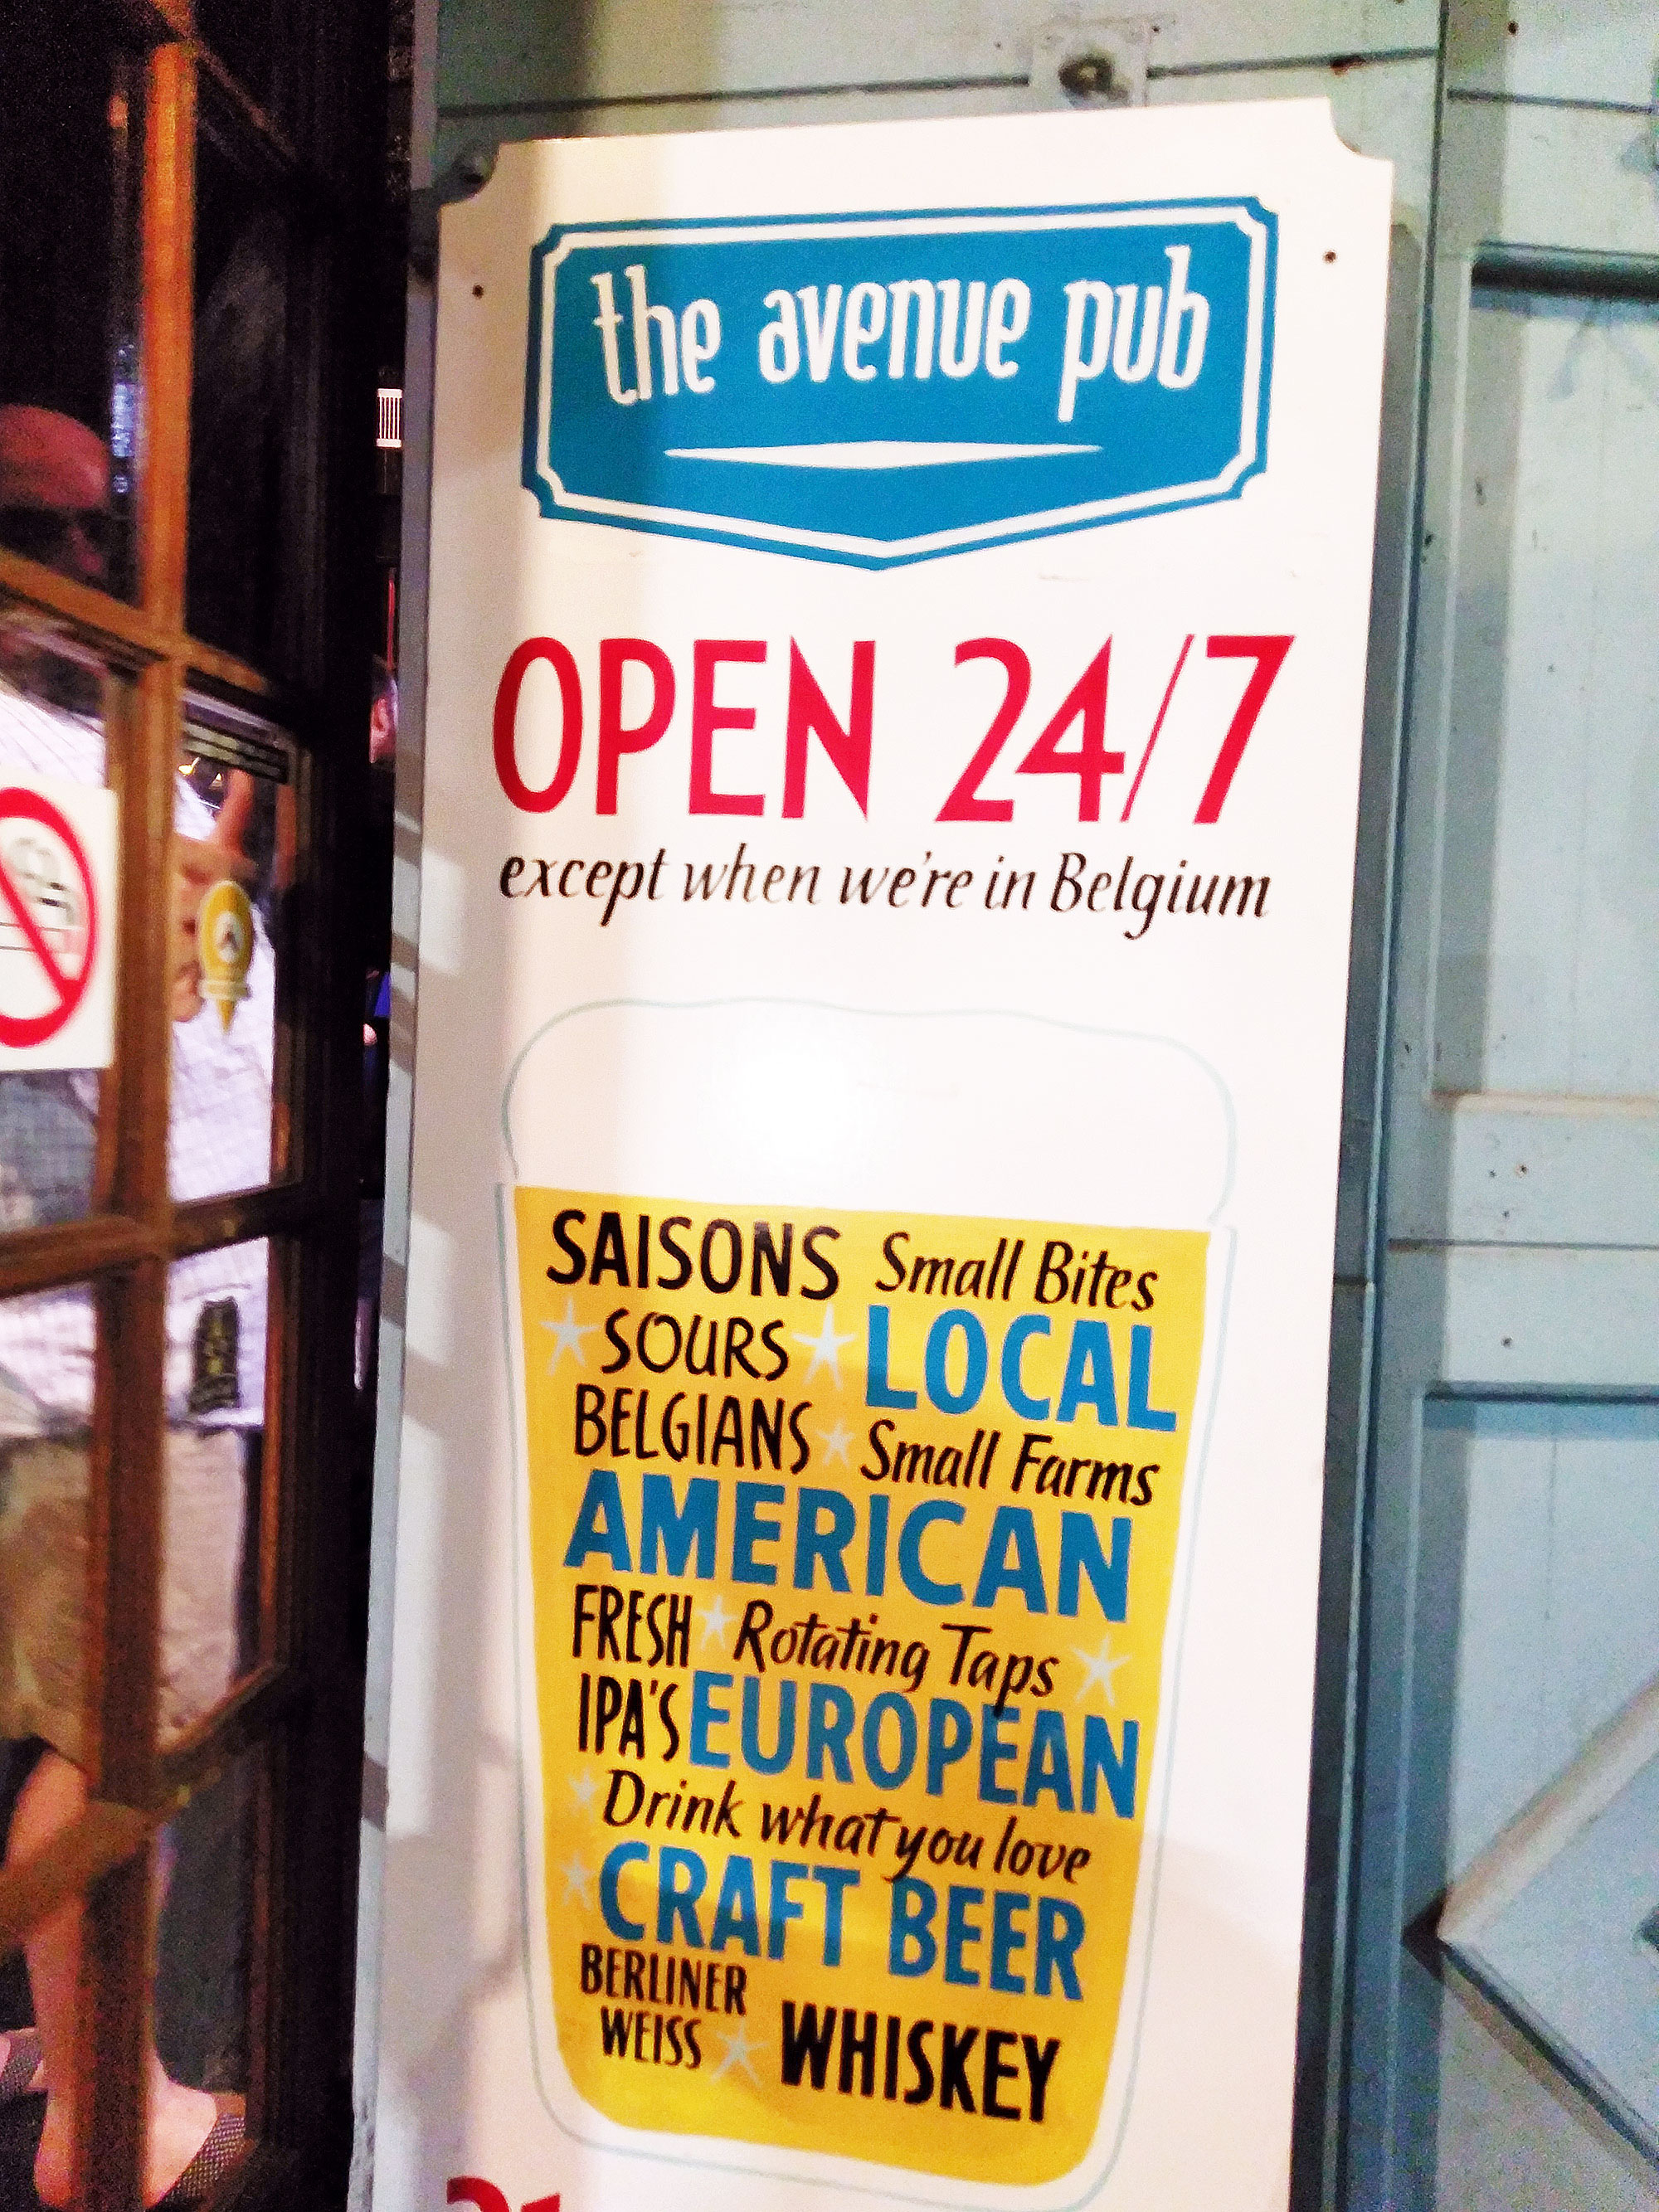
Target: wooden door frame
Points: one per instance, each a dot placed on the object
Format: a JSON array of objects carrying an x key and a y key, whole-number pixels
[{"x": 300, "y": 1712}]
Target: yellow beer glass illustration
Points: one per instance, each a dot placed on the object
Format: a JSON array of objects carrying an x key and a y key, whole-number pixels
[{"x": 852, "y": 1536}]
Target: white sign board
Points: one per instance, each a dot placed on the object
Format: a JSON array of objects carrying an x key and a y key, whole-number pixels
[
  {"x": 58, "y": 845},
  {"x": 897, "y": 638}
]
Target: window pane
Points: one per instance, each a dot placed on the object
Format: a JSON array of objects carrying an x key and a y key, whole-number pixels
[
  {"x": 218, "y": 1303},
  {"x": 234, "y": 815},
  {"x": 205, "y": 1971},
  {"x": 237, "y": 407},
  {"x": 51, "y": 742},
  {"x": 69, "y": 163},
  {"x": 242, "y": 33},
  {"x": 46, "y": 1363}
]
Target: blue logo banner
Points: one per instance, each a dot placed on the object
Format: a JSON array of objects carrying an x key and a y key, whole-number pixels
[{"x": 879, "y": 389}]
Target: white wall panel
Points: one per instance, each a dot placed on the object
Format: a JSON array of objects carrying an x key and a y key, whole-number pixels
[
  {"x": 504, "y": 54},
  {"x": 1556, "y": 50},
  {"x": 1557, "y": 1592},
  {"x": 1547, "y": 1317},
  {"x": 1550, "y": 906}
]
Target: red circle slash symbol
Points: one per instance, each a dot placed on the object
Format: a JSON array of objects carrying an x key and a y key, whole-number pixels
[{"x": 48, "y": 916}]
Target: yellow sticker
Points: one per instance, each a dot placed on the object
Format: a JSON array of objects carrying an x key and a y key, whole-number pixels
[
  {"x": 224, "y": 941},
  {"x": 852, "y": 1536}
]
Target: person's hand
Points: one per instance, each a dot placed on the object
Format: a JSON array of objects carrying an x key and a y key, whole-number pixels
[{"x": 200, "y": 864}]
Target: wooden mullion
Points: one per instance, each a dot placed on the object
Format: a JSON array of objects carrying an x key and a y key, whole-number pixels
[
  {"x": 167, "y": 333},
  {"x": 123, "y": 1628},
  {"x": 128, "y": 1459},
  {"x": 254, "y": 1710},
  {"x": 155, "y": 20},
  {"x": 273, "y": 2000},
  {"x": 118, "y": 1951},
  {"x": 226, "y": 668},
  {"x": 47, "y": 1258},
  {"x": 143, "y": 775},
  {"x": 277, "y": 1210},
  {"x": 131, "y": 636},
  {"x": 282, "y": 1524},
  {"x": 276, "y": 147},
  {"x": 125, "y": 635},
  {"x": 302, "y": 1150}
]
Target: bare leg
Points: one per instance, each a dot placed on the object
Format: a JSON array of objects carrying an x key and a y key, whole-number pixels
[
  {"x": 180, "y": 2118},
  {"x": 53, "y": 1795}
]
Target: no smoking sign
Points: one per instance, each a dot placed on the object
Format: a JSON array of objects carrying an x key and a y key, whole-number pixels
[{"x": 58, "y": 843}]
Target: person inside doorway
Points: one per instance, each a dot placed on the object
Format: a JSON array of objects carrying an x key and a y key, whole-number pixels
[{"x": 54, "y": 489}]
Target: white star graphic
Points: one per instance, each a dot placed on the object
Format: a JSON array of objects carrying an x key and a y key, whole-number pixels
[
  {"x": 576, "y": 1878},
  {"x": 568, "y": 1333},
  {"x": 738, "y": 2049},
  {"x": 825, "y": 1347},
  {"x": 1098, "y": 1667},
  {"x": 834, "y": 1442},
  {"x": 716, "y": 1620},
  {"x": 582, "y": 1787}
]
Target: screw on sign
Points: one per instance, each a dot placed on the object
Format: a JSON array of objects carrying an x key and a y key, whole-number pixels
[{"x": 48, "y": 919}]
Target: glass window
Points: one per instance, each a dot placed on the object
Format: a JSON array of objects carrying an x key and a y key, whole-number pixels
[
  {"x": 217, "y": 1305},
  {"x": 234, "y": 818},
  {"x": 243, "y": 35},
  {"x": 237, "y": 406},
  {"x": 205, "y": 1972},
  {"x": 47, "y": 1357},
  {"x": 52, "y": 746},
  {"x": 70, "y": 115}
]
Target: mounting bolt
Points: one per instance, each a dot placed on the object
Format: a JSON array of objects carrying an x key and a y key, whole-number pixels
[
  {"x": 1090, "y": 77},
  {"x": 1089, "y": 62}
]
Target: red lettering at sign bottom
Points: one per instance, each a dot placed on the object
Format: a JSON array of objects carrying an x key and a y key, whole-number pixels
[{"x": 467, "y": 2189}]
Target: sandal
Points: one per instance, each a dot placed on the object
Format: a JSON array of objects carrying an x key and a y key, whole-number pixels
[
  {"x": 21, "y": 2074},
  {"x": 221, "y": 2151}
]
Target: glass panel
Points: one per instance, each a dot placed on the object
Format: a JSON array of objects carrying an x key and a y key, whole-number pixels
[
  {"x": 205, "y": 1965},
  {"x": 51, "y": 743},
  {"x": 234, "y": 815},
  {"x": 217, "y": 1302},
  {"x": 69, "y": 167},
  {"x": 237, "y": 409},
  {"x": 1536, "y": 1827},
  {"x": 47, "y": 1343},
  {"x": 47, "y": 1367},
  {"x": 206, "y": 1867},
  {"x": 242, "y": 33},
  {"x": 21, "y": 2120}
]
